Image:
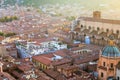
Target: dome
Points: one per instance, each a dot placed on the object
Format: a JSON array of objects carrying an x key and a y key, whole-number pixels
[{"x": 111, "y": 51}]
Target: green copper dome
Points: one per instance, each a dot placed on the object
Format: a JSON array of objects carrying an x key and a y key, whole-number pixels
[{"x": 111, "y": 51}]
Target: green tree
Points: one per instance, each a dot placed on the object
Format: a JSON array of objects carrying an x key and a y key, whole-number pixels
[{"x": 1, "y": 34}]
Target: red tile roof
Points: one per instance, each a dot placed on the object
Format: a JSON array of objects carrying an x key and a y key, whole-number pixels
[
  {"x": 42, "y": 59},
  {"x": 54, "y": 74},
  {"x": 24, "y": 67},
  {"x": 47, "y": 58}
]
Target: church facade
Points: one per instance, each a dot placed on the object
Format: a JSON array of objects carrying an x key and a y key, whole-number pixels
[{"x": 109, "y": 59}]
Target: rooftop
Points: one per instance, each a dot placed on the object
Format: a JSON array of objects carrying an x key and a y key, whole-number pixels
[{"x": 100, "y": 20}]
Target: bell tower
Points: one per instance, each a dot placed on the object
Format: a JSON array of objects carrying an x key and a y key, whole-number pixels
[{"x": 97, "y": 14}]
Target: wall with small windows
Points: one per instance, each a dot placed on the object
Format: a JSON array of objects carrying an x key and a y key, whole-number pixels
[
  {"x": 102, "y": 75},
  {"x": 100, "y": 26},
  {"x": 107, "y": 66}
]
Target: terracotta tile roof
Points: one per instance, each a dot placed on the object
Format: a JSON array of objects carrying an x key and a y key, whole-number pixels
[
  {"x": 42, "y": 40},
  {"x": 61, "y": 62},
  {"x": 15, "y": 73},
  {"x": 62, "y": 52},
  {"x": 103, "y": 34},
  {"x": 71, "y": 67},
  {"x": 87, "y": 59},
  {"x": 86, "y": 31},
  {"x": 42, "y": 59},
  {"x": 54, "y": 74},
  {"x": 4, "y": 75},
  {"x": 24, "y": 67},
  {"x": 47, "y": 58},
  {"x": 94, "y": 32},
  {"x": 89, "y": 47},
  {"x": 41, "y": 78}
]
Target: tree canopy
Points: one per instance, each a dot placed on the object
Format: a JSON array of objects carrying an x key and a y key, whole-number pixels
[{"x": 8, "y": 18}]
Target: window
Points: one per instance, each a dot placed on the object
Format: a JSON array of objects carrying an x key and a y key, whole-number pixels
[
  {"x": 84, "y": 34},
  {"x": 103, "y": 63},
  {"x": 111, "y": 65},
  {"x": 89, "y": 27},
  {"x": 117, "y": 31},
  {"x": 93, "y": 36},
  {"x": 102, "y": 38},
  {"x": 81, "y": 26},
  {"x": 118, "y": 78},
  {"x": 102, "y": 75},
  {"x": 107, "y": 30},
  {"x": 98, "y": 28}
]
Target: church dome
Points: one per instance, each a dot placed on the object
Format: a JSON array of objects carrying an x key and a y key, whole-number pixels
[{"x": 111, "y": 51}]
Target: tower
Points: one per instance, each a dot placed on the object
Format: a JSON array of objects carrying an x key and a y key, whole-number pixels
[
  {"x": 108, "y": 59},
  {"x": 97, "y": 14}
]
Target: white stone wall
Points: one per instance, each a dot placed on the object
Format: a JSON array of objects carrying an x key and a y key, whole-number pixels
[{"x": 105, "y": 26}]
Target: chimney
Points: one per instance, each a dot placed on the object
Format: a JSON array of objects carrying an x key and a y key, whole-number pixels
[
  {"x": 1, "y": 69},
  {"x": 97, "y": 14}
]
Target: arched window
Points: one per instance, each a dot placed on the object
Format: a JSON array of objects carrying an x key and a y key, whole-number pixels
[
  {"x": 111, "y": 65},
  {"x": 104, "y": 64},
  {"x": 98, "y": 28},
  {"x": 107, "y": 30},
  {"x": 89, "y": 27},
  {"x": 102, "y": 75}
]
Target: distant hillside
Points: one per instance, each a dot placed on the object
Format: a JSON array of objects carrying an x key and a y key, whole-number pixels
[
  {"x": 87, "y": 3},
  {"x": 109, "y": 8}
]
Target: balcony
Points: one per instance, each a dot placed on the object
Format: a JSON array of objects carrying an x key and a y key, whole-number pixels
[
  {"x": 103, "y": 67},
  {"x": 111, "y": 69}
]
